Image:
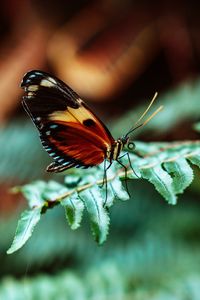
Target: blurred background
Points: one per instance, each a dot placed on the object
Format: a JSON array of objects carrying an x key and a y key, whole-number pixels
[{"x": 115, "y": 54}]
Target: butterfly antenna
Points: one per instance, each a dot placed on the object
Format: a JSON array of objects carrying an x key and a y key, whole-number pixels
[
  {"x": 145, "y": 112},
  {"x": 153, "y": 115}
]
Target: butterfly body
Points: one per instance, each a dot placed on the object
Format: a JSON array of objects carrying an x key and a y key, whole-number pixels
[{"x": 69, "y": 131}]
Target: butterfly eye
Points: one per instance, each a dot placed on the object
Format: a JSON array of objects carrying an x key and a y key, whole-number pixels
[{"x": 131, "y": 146}]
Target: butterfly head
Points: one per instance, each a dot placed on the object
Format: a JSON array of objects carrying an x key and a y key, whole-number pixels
[{"x": 126, "y": 141}]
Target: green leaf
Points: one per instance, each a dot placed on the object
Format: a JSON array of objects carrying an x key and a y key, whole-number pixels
[
  {"x": 115, "y": 190},
  {"x": 38, "y": 192},
  {"x": 118, "y": 190},
  {"x": 161, "y": 180},
  {"x": 195, "y": 160},
  {"x": 26, "y": 224},
  {"x": 134, "y": 171},
  {"x": 98, "y": 214},
  {"x": 109, "y": 195},
  {"x": 74, "y": 207},
  {"x": 52, "y": 190},
  {"x": 181, "y": 173},
  {"x": 116, "y": 185},
  {"x": 32, "y": 192}
]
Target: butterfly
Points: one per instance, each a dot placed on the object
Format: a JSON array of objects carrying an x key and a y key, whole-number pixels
[{"x": 69, "y": 130}]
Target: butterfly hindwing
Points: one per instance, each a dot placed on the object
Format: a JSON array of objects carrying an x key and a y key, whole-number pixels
[
  {"x": 72, "y": 146},
  {"x": 70, "y": 132}
]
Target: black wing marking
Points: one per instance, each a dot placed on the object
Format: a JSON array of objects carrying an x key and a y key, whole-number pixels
[
  {"x": 46, "y": 95},
  {"x": 54, "y": 95}
]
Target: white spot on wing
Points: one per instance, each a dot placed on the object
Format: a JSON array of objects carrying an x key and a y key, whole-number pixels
[
  {"x": 47, "y": 149},
  {"x": 32, "y": 76},
  {"x": 52, "y": 80},
  {"x": 46, "y": 83},
  {"x": 52, "y": 153},
  {"x": 56, "y": 157},
  {"x": 60, "y": 160},
  {"x": 32, "y": 88},
  {"x": 80, "y": 101}
]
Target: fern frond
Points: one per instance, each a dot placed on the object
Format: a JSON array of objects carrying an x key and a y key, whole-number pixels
[
  {"x": 165, "y": 165},
  {"x": 54, "y": 245},
  {"x": 127, "y": 271}
]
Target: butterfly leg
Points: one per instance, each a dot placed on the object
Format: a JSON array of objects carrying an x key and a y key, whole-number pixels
[
  {"x": 125, "y": 170},
  {"x": 129, "y": 160},
  {"x": 105, "y": 180},
  {"x": 106, "y": 183},
  {"x": 105, "y": 173}
]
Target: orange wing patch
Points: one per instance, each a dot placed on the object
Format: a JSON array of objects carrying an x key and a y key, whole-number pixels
[
  {"x": 73, "y": 115},
  {"x": 85, "y": 117}
]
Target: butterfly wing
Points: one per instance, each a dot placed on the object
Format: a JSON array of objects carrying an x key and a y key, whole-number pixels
[{"x": 70, "y": 132}]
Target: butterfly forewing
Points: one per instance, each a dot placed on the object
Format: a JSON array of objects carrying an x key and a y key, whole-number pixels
[{"x": 70, "y": 132}]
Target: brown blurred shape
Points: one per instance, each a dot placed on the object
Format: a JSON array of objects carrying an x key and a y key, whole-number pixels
[
  {"x": 101, "y": 49},
  {"x": 99, "y": 52}
]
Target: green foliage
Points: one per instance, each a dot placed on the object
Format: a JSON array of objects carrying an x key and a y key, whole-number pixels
[
  {"x": 73, "y": 210},
  {"x": 180, "y": 104},
  {"x": 25, "y": 228},
  {"x": 21, "y": 150},
  {"x": 197, "y": 126},
  {"x": 165, "y": 165},
  {"x": 98, "y": 215},
  {"x": 137, "y": 272}
]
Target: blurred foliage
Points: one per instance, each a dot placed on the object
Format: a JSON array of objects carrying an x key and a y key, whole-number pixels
[
  {"x": 180, "y": 105},
  {"x": 197, "y": 126},
  {"x": 21, "y": 153}
]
